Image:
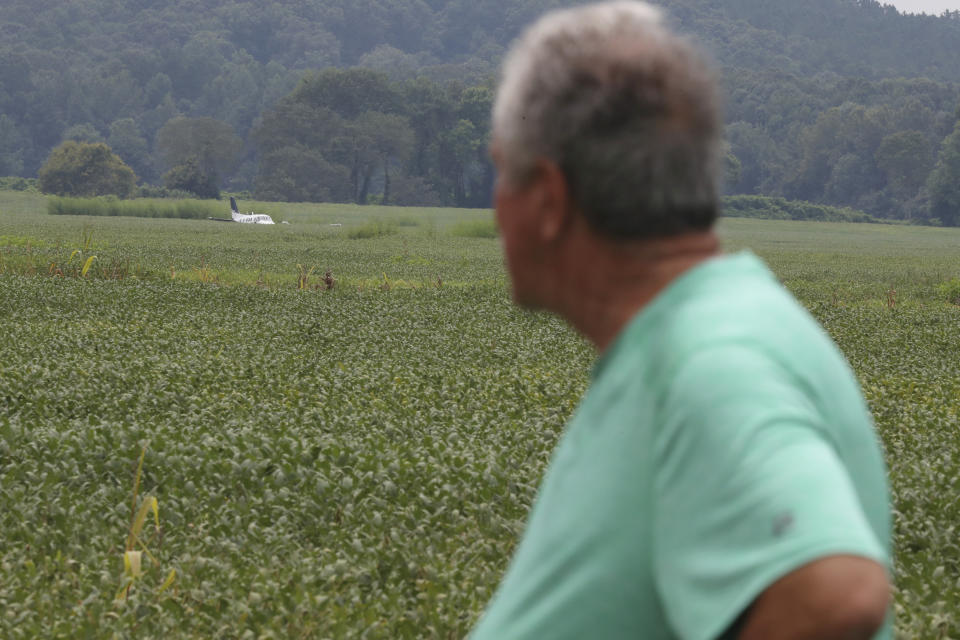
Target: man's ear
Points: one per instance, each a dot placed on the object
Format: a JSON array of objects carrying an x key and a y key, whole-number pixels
[{"x": 553, "y": 202}]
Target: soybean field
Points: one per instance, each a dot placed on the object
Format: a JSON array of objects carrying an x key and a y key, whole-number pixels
[{"x": 334, "y": 428}]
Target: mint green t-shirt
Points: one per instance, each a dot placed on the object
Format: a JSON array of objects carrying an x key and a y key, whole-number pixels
[{"x": 723, "y": 443}]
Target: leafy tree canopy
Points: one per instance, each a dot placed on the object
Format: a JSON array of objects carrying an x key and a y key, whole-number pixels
[
  {"x": 211, "y": 144},
  {"x": 833, "y": 101},
  {"x": 190, "y": 176},
  {"x": 368, "y": 135},
  {"x": 944, "y": 181},
  {"x": 85, "y": 169}
]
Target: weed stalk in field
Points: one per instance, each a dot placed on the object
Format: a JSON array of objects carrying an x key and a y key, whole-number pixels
[
  {"x": 303, "y": 276},
  {"x": 950, "y": 291},
  {"x": 133, "y": 558},
  {"x": 203, "y": 271},
  {"x": 86, "y": 238},
  {"x": 119, "y": 269},
  {"x": 86, "y": 266}
]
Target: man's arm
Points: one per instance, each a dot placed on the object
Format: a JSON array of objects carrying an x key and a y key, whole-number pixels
[
  {"x": 834, "y": 598},
  {"x": 757, "y": 516}
]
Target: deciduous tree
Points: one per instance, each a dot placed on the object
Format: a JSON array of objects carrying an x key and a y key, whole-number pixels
[
  {"x": 944, "y": 181},
  {"x": 190, "y": 176},
  {"x": 84, "y": 169},
  {"x": 906, "y": 159},
  {"x": 203, "y": 144}
]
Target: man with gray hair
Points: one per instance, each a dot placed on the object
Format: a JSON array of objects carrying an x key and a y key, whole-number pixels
[{"x": 721, "y": 477}]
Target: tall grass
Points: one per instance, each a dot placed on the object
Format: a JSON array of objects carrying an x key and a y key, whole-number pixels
[
  {"x": 15, "y": 183},
  {"x": 764, "y": 207},
  {"x": 475, "y": 229},
  {"x": 373, "y": 229},
  {"x": 141, "y": 208},
  {"x": 133, "y": 557},
  {"x": 950, "y": 291},
  {"x": 404, "y": 221}
]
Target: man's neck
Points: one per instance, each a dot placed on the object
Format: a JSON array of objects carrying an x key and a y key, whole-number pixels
[{"x": 609, "y": 283}]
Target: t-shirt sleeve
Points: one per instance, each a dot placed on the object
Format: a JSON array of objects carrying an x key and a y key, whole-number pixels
[{"x": 747, "y": 489}]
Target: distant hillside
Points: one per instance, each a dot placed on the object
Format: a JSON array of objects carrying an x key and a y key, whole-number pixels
[
  {"x": 858, "y": 38},
  {"x": 118, "y": 70}
]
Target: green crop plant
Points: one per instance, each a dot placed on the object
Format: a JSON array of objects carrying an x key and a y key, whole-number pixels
[
  {"x": 373, "y": 229},
  {"x": 475, "y": 229},
  {"x": 86, "y": 266},
  {"x": 20, "y": 241},
  {"x": 79, "y": 271},
  {"x": 132, "y": 556},
  {"x": 202, "y": 270},
  {"x": 303, "y": 276},
  {"x": 404, "y": 221},
  {"x": 86, "y": 239},
  {"x": 950, "y": 291},
  {"x": 362, "y": 463}
]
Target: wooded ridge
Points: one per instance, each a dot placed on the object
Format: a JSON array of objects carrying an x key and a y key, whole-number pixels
[{"x": 844, "y": 102}]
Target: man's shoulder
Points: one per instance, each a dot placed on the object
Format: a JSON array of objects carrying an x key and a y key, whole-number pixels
[
  {"x": 734, "y": 303},
  {"x": 736, "y": 297},
  {"x": 728, "y": 332}
]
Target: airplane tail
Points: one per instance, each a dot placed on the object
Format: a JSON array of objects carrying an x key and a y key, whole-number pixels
[{"x": 233, "y": 206}]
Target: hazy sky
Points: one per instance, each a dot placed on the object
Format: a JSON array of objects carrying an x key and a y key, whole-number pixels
[{"x": 936, "y": 7}]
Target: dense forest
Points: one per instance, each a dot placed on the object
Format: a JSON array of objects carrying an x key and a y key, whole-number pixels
[{"x": 843, "y": 102}]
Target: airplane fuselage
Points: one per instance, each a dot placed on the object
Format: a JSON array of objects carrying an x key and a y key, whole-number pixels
[
  {"x": 249, "y": 218},
  {"x": 252, "y": 218}
]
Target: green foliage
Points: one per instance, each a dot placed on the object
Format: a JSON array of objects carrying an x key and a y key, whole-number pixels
[
  {"x": 21, "y": 241},
  {"x": 944, "y": 181},
  {"x": 405, "y": 220},
  {"x": 839, "y": 141},
  {"x": 475, "y": 229},
  {"x": 150, "y": 191},
  {"x": 212, "y": 146},
  {"x": 15, "y": 183},
  {"x": 127, "y": 141},
  {"x": 140, "y": 208},
  {"x": 133, "y": 557},
  {"x": 375, "y": 229},
  {"x": 782, "y": 209},
  {"x": 353, "y": 135},
  {"x": 190, "y": 177},
  {"x": 950, "y": 291},
  {"x": 329, "y": 463},
  {"x": 297, "y": 173},
  {"x": 832, "y": 103},
  {"x": 82, "y": 169},
  {"x": 85, "y": 132},
  {"x": 906, "y": 159}
]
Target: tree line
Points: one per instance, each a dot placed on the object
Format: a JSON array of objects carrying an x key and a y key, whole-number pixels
[
  {"x": 830, "y": 101},
  {"x": 354, "y": 136},
  {"x": 882, "y": 147},
  {"x": 342, "y": 135}
]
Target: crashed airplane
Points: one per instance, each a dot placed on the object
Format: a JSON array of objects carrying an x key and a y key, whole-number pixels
[{"x": 249, "y": 218}]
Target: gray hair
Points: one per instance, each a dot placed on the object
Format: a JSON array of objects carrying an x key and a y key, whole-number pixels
[{"x": 628, "y": 110}]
